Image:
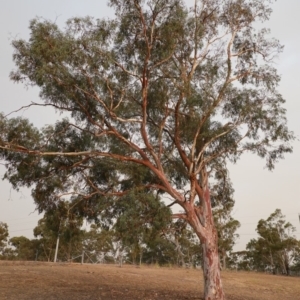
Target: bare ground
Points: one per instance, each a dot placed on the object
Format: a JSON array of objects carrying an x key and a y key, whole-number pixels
[{"x": 36, "y": 280}]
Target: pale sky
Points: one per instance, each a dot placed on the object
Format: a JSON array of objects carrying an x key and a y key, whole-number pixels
[{"x": 258, "y": 192}]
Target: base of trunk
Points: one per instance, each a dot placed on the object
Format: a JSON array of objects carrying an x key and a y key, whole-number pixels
[{"x": 213, "y": 289}]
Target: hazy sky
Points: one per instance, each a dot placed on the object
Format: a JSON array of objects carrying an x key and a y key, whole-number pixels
[{"x": 258, "y": 192}]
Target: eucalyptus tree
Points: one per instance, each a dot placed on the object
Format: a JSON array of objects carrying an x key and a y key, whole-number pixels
[
  {"x": 23, "y": 248},
  {"x": 296, "y": 265},
  {"x": 185, "y": 243},
  {"x": 47, "y": 238},
  {"x": 163, "y": 92},
  {"x": 98, "y": 244},
  {"x": 227, "y": 236},
  {"x": 222, "y": 204},
  {"x": 276, "y": 246},
  {"x": 4, "y": 234},
  {"x": 61, "y": 221},
  {"x": 140, "y": 218},
  {"x": 67, "y": 228}
]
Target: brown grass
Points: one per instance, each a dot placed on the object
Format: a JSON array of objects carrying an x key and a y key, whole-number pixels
[{"x": 30, "y": 280}]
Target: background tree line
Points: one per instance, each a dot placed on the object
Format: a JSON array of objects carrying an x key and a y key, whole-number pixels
[{"x": 128, "y": 239}]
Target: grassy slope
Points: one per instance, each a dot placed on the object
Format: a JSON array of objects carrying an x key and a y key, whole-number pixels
[{"x": 29, "y": 280}]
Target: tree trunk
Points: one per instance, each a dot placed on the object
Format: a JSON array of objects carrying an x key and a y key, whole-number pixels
[
  {"x": 203, "y": 223},
  {"x": 141, "y": 256},
  {"x": 213, "y": 289},
  {"x": 272, "y": 263}
]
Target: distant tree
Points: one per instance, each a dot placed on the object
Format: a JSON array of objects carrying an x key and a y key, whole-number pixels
[
  {"x": 162, "y": 92},
  {"x": 23, "y": 248},
  {"x": 98, "y": 244},
  {"x": 140, "y": 218},
  {"x": 47, "y": 238},
  {"x": 3, "y": 236},
  {"x": 276, "y": 248},
  {"x": 160, "y": 251},
  {"x": 226, "y": 226},
  {"x": 186, "y": 244},
  {"x": 222, "y": 204},
  {"x": 296, "y": 265},
  {"x": 60, "y": 221},
  {"x": 240, "y": 260}
]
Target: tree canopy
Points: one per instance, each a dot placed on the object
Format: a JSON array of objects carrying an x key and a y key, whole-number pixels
[
  {"x": 276, "y": 249},
  {"x": 159, "y": 98}
]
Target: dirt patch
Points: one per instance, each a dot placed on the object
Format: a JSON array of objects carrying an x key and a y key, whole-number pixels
[{"x": 35, "y": 280}]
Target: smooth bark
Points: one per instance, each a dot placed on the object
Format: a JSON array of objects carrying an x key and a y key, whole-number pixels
[
  {"x": 204, "y": 227},
  {"x": 213, "y": 288}
]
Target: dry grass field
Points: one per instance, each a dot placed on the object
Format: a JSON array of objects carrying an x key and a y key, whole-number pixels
[{"x": 30, "y": 280}]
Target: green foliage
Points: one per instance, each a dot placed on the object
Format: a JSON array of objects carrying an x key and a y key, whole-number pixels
[
  {"x": 226, "y": 226},
  {"x": 23, "y": 248},
  {"x": 222, "y": 205},
  {"x": 15, "y": 132},
  {"x": 240, "y": 261},
  {"x": 99, "y": 71},
  {"x": 160, "y": 98},
  {"x": 3, "y": 236},
  {"x": 60, "y": 222},
  {"x": 98, "y": 244},
  {"x": 276, "y": 249}
]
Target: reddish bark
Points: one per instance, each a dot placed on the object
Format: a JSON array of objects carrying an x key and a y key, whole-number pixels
[
  {"x": 203, "y": 225},
  {"x": 213, "y": 289}
]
